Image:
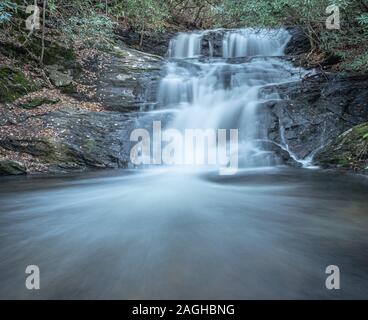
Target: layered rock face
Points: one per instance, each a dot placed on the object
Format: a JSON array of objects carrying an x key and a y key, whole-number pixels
[
  {"x": 91, "y": 129},
  {"x": 129, "y": 82},
  {"x": 313, "y": 113}
]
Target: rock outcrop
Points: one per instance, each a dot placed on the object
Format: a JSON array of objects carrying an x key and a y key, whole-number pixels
[
  {"x": 349, "y": 150},
  {"x": 9, "y": 167},
  {"x": 51, "y": 135},
  {"x": 154, "y": 43},
  {"x": 130, "y": 80},
  {"x": 312, "y": 113}
]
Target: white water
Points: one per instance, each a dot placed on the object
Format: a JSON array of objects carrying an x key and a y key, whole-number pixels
[
  {"x": 224, "y": 93},
  {"x": 250, "y": 42}
]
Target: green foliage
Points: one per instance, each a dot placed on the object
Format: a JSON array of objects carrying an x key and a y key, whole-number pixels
[
  {"x": 142, "y": 14},
  {"x": 7, "y": 9},
  {"x": 363, "y": 20},
  {"x": 362, "y": 130},
  {"x": 92, "y": 22},
  {"x": 92, "y": 29},
  {"x": 277, "y": 12},
  {"x": 350, "y": 43},
  {"x": 360, "y": 63}
]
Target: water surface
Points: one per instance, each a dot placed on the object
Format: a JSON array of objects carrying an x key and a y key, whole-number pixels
[{"x": 162, "y": 234}]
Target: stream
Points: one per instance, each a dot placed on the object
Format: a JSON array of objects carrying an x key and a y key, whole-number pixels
[{"x": 173, "y": 232}]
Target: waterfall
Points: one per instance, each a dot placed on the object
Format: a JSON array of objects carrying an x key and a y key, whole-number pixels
[
  {"x": 185, "y": 45},
  {"x": 220, "y": 93},
  {"x": 249, "y": 42}
]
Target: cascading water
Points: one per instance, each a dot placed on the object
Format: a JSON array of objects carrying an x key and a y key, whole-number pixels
[
  {"x": 249, "y": 42},
  {"x": 186, "y": 46},
  {"x": 224, "y": 93}
]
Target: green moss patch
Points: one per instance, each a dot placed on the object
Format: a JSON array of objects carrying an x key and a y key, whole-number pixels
[
  {"x": 69, "y": 89},
  {"x": 350, "y": 150},
  {"x": 9, "y": 167},
  {"x": 90, "y": 145},
  {"x": 13, "y": 84},
  {"x": 362, "y": 130},
  {"x": 54, "y": 53}
]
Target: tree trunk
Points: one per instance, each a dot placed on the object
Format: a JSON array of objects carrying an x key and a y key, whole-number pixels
[
  {"x": 43, "y": 30},
  {"x": 141, "y": 37}
]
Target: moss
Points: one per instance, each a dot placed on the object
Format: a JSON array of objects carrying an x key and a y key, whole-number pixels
[
  {"x": 34, "y": 103},
  {"x": 9, "y": 167},
  {"x": 90, "y": 145},
  {"x": 54, "y": 53},
  {"x": 349, "y": 150},
  {"x": 342, "y": 161},
  {"x": 69, "y": 89},
  {"x": 362, "y": 130},
  {"x": 13, "y": 84}
]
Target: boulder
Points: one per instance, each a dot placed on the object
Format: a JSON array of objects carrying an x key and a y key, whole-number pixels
[{"x": 59, "y": 76}]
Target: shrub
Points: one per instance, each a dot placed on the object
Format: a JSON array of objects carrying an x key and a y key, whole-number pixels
[
  {"x": 92, "y": 30},
  {"x": 7, "y": 8}
]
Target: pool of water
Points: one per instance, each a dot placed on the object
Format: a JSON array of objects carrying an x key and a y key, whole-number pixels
[{"x": 168, "y": 234}]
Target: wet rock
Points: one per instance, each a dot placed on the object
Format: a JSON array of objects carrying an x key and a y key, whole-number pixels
[
  {"x": 9, "y": 167},
  {"x": 299, "y": 42},
  {"x": 85, "y": 140},
  {"x": 312, "y": 113},
  {"x": 89, "y": 139},
  {"x": 212, "y": 43},
  {"x": 281, "y": 155},
  {"x": 130, "y": 81},
  {"x": 153, "y": 43},
  {"x": 35, "y": 147},
  {"x": 73, "y": 139}
]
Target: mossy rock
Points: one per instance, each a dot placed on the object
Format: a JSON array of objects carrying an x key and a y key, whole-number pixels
[
  {"x": 9, "y": 167},
  {"x": 69, "y": 89},
  {"x": 40, "y": 147},
  {"x": 13, "y": 84},
  {"x": 90, "y": 145},
  {"x": 54, "y": 53},
  {"x": 362, "y": 130},
  {"x": 349, "y": 150}
]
